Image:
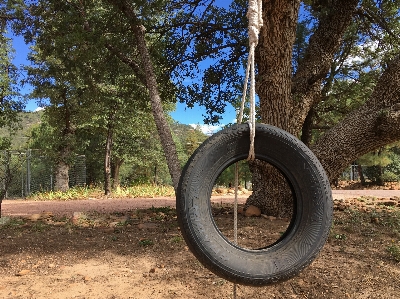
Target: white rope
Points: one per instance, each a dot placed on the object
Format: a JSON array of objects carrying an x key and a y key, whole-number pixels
[
  {"x": 254, "y": 14},
  {"x": 235, "y": 209}
]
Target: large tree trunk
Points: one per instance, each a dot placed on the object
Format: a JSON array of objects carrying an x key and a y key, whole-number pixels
[{"x": 286, "y": 98}]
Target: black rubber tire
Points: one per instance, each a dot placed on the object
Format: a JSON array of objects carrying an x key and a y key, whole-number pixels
[{"x": 311, "y": 219}]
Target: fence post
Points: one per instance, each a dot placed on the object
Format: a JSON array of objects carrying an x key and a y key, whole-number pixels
[{"x": 28, "y": 172}]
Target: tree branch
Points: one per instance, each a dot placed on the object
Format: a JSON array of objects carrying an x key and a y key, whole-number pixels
[
  {"x": 129, "y": 62},
  {"x": 375, "y": 124},
  {"x": 323, "y": 45}
]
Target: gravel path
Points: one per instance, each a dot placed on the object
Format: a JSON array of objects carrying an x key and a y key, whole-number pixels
[{"x": 26, "y": 207}]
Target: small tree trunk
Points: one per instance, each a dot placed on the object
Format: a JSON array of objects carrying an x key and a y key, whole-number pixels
[
  {"x": 107, "y": 164},
  {"x": 361, "y": 174},
  {"x": 115, "y": 173},
  {"x": 379, "y": 179},
  {"x": 162, "y": 125},
  {"x": 61, "y": 177},
  {"x": 155, "y": 175}
]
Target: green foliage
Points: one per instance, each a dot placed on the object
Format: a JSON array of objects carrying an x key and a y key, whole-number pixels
[
  {"x": 389, "y": 176},
  {"x": 94, "y": 98},
  {"x": 382, "y": 165},
  {"x": 146, "y": 242},
  {"x": 227, "y": 177},
  {"x": 72, "y": 194},
  {"x": 394, "y": 166},
  {"x": 10, "y": 222},
  {"x": 145, "y": 191},
  {"x": 10, "y": 103},
  {"x": 394, "y": 251}
]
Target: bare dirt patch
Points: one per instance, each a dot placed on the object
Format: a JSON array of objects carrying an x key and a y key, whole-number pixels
[{"x": 140, "y": 253}]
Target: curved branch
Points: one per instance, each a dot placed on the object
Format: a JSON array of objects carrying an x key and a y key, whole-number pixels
[{"x": 375, "y": 124}]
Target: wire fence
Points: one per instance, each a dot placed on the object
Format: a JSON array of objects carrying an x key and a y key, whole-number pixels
[
  {"x": 25, "y": 172},
  {"x": 352, "y": 173}
]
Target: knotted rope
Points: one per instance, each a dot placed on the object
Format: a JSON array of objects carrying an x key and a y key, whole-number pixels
[{"x": 254, "y": 15}]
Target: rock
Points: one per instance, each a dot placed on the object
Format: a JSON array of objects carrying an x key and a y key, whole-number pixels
[
  {"x": 114, "y": 224},
  {"x": 252, "y": 211},
  {"x": 152, "y": 270},
  {"x": 23, "y": 272},
  {"x": 47, "y": 215},
  {"x": 87, "y": 278},
  {"x": 35, "y": 217},
  {"x": 77, "y": 216},
  {"x": 270, "y": 218},
  {"x": 221, "y": 191},
  {"x": 147, "y": 226}
]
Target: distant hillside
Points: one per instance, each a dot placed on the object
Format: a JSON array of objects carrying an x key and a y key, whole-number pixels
[{"x": 28, "y": 121}]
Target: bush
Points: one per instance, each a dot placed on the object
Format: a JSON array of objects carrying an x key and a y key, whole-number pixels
[{"x": 389, "y": 176}]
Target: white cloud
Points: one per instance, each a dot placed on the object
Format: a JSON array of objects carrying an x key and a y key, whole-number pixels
[
  {"x": 207, "y": 129},
  {"x": 38, "y": 109},
  {"x": 362, "y": 52}
]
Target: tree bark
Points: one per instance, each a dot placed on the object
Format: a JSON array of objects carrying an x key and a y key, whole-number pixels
[
  {"x": 64, "y": 150},
  {"x": 286, "y": 98},
  {"x": 61, "y": 182},
  {"x": 361, "y": 174},
  {"x": 108, "y": 149},
  {"x": 117, "y": 163},
  {"x": 163, "y": 128},
  {"x": 107, "y": 164}
]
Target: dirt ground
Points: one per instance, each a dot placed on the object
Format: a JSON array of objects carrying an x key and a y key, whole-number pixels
[{"x": 80, "y": 251}]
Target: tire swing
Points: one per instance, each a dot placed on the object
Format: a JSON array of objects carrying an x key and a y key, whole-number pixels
[{"x": 312, "y": 208}]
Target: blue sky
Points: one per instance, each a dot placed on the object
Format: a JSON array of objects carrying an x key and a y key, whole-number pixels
[{"x": 182, "y": 114}]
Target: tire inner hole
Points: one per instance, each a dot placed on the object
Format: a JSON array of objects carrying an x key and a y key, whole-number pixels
[{"x": 264, "y": 215}]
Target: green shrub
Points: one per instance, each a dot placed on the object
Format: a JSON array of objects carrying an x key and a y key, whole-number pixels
[
  {"x": 389, "y": 176},
  {"x": 394, "y": 251}
]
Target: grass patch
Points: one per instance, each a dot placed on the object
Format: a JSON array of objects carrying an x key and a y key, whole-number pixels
[
  {"x": 145, "y": 190},
  {"x": 10, "y": 222},
  {"x": 146, "y": 242},
  {"x": 77, "y": 193},
  {"x": 71, "y": 194},
  {"x": 177, "y": 239},
  {"x": 394, "y": 252}
]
